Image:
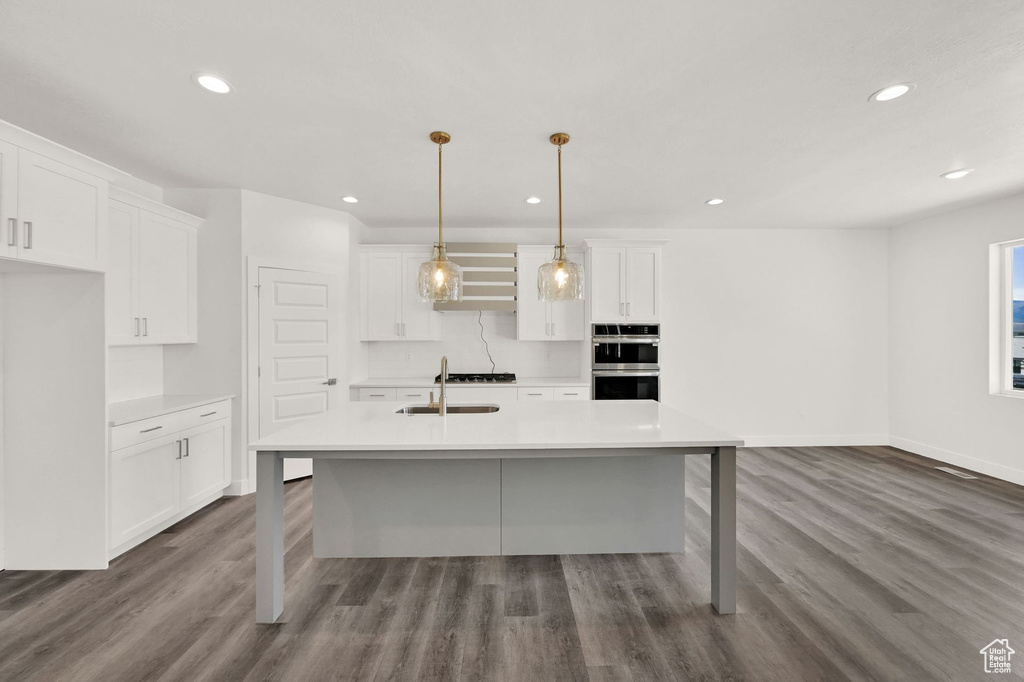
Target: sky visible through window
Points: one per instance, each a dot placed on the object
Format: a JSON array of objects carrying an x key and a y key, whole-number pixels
[{"x": 1018, "y": 273}]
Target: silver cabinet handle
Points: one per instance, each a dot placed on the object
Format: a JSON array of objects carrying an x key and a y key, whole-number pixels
[
  {"x": 12, "y": 236},
  {"x": 136, "y": 326},
  {"x": 622, "y": 310},
  {"x": 145, "y": 326},
  {"x": 208, "y": 414},
  {"x": 330, "y": 382},
  {"x": 547, "y": 329},
  {"x": 179, "y": 450},
  {"x": 28, "y": 234},
  {"x": 564, "y": 393},
  {"x": 627, "y": 309},
  {"x": 376, "y": 395},
  {"x": 186, "y": 446},
  {"x": 534, "y": 394},
  {"x": 155, "y": 428}
]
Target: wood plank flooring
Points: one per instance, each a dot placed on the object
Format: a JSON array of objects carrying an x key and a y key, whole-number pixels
[{"x": 855, "y": 563}]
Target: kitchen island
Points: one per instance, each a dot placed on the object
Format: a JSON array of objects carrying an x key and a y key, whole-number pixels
[{"x": 519, "y": 433}]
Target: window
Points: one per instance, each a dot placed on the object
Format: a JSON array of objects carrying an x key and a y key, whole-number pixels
[{"x": 1008, "y": 318}]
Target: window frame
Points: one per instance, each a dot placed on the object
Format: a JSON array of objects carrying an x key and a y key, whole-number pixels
[{"x": 1001, "y": 319}]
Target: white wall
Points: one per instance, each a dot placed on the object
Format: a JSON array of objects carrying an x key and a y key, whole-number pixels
[
  {"x": 780, "y": 336},
  {"x": 134, "y": 372},
  {"x": 939, "y": 346}
]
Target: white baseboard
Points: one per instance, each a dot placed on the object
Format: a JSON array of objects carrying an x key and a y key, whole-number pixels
[
  {"x": 814, "y": 441},
  {"x": 957, "y": 459},
  {"x": 238, "y": 487}
]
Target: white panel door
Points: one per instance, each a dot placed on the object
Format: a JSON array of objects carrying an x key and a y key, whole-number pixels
[
  {"x": 607, "y": 284},
  {"x": 167, "y": 254},
  {"x": 643, "y": 273},
  {"x": 299, "y": 351},
  {"x": 123, "y": 325},
  {"x": 63, "y": 213},
  {"x": 145, "y": 486},
  {"x": 419, "y": 320},
  {"x": 205, "y": 465},
  {"x": 531, "y": 313},
  {"x": 383, "y": 282},
  {"x": 9, "y": 200}
]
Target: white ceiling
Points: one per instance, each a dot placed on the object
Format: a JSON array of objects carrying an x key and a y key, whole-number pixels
[{"x": 668, "y": 104}]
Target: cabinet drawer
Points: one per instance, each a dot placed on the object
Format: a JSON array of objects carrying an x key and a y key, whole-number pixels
[
  {"x": 536, "y": 393},
  {"x": 378, "y": 394},
  {"x": 204, "y": 414},
  {"x": 125, "y": 435},
  {"x": 572, "y": 393},
  {"x": 416, "y": 394}
]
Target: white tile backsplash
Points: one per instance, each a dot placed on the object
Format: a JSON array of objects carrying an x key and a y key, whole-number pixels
[
  {"x": 134, "y": 372},
  {"x": 460, "y": 341}
]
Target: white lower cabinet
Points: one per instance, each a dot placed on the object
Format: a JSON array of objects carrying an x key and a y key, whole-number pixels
[
  {"x": 205, "y": 469},
  {"x": 462, "y": 394},
  {"x": 144, "y": 488},
  {"x": 378, "y": 394},
  {"x": 572, "y": 393},
  {"x": 541, "y": 393},
  {"x": 165, "y": 468}
]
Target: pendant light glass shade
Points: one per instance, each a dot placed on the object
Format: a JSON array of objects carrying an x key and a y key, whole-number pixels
[
  {"x": 560, "y": 279},
  {"x": 439, "y": 279}
]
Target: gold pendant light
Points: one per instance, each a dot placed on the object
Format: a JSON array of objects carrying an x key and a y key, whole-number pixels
[
  {"x": 560, "y": 279},
  {"x": 439, "y": 279}
]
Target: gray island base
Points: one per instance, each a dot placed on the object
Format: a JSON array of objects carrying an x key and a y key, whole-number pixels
[{"x": 533, "y": 478}]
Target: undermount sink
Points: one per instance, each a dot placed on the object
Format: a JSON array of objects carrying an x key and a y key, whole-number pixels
[{"x": 452, "y": 409}]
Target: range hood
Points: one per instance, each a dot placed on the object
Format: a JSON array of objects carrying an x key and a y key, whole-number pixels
[{"x": 489, "y": 277}]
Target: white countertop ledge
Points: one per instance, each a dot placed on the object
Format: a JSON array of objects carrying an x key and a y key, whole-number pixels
[
  {"x": 427, "y": 382},
  {"x": 154, "y": 406},
  {"x": 363, "y": 427}
]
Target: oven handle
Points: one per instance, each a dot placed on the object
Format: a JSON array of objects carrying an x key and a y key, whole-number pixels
[
  {"x": 624, "y": 372},
  {"x": 625, "y": 340}
]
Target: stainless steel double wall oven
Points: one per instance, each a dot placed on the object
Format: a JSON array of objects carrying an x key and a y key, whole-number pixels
[{"x": 624, "y": 362}]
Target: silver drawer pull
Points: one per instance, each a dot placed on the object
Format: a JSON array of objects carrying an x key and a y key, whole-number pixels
[
  {"x": 186, "y": 446},
  {"x": 179, "y": 450},
  {"x": 570, "y": 394},
  {"x": 208, "y": 414},
  {"x": 152, "y": 429},
  {"x": 376, "y": 395},
  {"x": 534, "y": 394},
  {"x": 28, "y": 234}
]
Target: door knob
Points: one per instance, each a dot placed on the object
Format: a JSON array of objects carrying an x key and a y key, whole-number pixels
[{"x": 330, "y": 382}]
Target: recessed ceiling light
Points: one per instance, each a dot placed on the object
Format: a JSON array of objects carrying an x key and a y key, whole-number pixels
[
  {"x": 350, "y": 200},
  {"x": 714, "y": 202},
  {"x": 212, "y": 83},
  {"x": 957, "y": 174},
  {"x": 533, "y": 200},
  {"x": 892, "y": 92}
]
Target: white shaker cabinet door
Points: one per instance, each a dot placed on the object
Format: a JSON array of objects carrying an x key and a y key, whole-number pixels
[
  {"x": 167, "y": 295},
  {"x": 9, "y": 227},
  {"x": 204, "y": 461},
  {"x": 643, "y": 271},
  {"x": 62, "y": 212},
  {"x": 419, "y": 320},
  {"x": 607, "y": 284},
  {"x": 532, "y": 314},
  {"x": 144, "y": 487},
  {"x": 123, "y": 326},
  {"x": 382, "y": 282}
]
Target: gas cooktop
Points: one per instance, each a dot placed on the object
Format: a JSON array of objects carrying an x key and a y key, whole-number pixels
[{"x": 497, "y": 378}]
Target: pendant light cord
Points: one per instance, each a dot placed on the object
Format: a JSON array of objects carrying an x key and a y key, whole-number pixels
[
  {"x": 487, "y": 349},
  {"x": 440, "y": 222},
  {"x": 561, "y": 246}
]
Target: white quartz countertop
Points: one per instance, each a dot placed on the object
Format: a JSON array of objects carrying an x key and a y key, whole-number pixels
[
  {"x": 426, "y": 382},
  {"x": 154, "y": 406},
  {"x": 530, "y": 425}
]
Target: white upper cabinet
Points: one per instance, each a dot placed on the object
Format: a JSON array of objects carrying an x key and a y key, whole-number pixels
[
  {"x": 538, "y": 320},
  {"x": 390, "y": 309},
  {"x": 52, "y": 213},
  {"x": 625, "y": 283},
  {"x": 9, "y": 199},
  {"x": 152, "y": 295}
]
